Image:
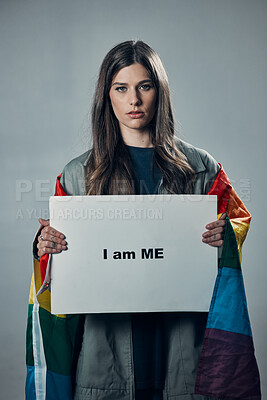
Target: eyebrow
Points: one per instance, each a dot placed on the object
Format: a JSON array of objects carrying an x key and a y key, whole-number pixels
[{"x": 126, "y": 84}]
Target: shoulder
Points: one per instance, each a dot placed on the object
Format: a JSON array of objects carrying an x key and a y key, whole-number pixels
[
  {"x": 72, "y": 178},
  {"x": 199, "y": 159},
  {"x": 77, "y": 163},
  {"x": 205, "y": 166}
]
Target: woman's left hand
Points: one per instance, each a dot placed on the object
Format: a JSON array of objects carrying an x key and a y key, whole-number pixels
[{"x": 215, "y": 233}]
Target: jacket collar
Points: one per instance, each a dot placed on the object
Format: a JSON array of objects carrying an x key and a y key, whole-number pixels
[{"x": 190, "y": 152}]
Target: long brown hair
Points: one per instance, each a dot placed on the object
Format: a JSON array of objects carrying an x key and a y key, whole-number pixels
[{"x": 109, "y": 169}]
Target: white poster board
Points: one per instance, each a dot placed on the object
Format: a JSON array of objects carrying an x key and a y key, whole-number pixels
[{"x": 133, "y": 253}]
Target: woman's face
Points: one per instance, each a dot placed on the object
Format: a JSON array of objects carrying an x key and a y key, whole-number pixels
[{"x": 133, "y": 98}]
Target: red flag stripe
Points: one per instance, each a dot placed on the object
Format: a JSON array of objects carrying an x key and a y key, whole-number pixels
[
  {"x": 59, "y": 191},
  {"x": 221, "y": 188}
]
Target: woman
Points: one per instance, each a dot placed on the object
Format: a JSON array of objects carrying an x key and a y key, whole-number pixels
[{"x": 139, "y": 356}]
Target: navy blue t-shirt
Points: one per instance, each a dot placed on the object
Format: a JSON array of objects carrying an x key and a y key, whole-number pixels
[{"x": 147, "y": 329}]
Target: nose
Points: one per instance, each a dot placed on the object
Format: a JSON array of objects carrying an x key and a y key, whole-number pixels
[{"x": 134, "y": 98}]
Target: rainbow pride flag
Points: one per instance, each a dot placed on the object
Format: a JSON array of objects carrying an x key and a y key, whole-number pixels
[
  {"x": 227, "y": 368},
  {"x": 52, "y": 341}
]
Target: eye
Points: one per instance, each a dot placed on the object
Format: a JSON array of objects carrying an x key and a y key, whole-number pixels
[
  {"x": 145, "y": 87},
  {"x": 121, "y": 89}
]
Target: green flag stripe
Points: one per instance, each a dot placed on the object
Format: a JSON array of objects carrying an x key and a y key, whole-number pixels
[
  {"x": 230, "y": 256},
  {"x": 59, "y": 340}
]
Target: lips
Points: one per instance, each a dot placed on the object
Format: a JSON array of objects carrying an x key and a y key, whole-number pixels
[{"x": 136, "y": 114}]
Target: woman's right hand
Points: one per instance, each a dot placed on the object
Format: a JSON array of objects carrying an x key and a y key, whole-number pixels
[{"x": 50, "y": 241}]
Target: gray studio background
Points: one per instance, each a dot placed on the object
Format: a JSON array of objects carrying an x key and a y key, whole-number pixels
[{"x": 214, "y": 52}]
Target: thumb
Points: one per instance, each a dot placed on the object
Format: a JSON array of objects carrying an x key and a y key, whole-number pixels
[
  {"x": 223, "y": 216},
  {"x": 44, "y": 222}
]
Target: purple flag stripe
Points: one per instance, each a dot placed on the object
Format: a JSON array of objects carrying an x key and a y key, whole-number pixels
[{"x": 227, "y": 367}]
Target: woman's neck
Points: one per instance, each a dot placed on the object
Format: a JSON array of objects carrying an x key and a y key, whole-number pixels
[{"x": 137, "y": 139}]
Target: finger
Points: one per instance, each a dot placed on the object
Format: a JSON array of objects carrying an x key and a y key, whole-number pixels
[
  {"x": 217, "y": 243},
  {"x": 50, "y": 247},
  {"x": 48, "y": 250},
  {"x": 52, "y": 231},
  {"x": 51, "y": 238},
  {"x": 214, "y": 224},
  {"x": 51, "y": 244},
  {"x": 44, "y": 222},
  {"x": 219, "y": 222},
  {"x": 213, "y": 231},
  {"x": 214, "y": 238}
]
